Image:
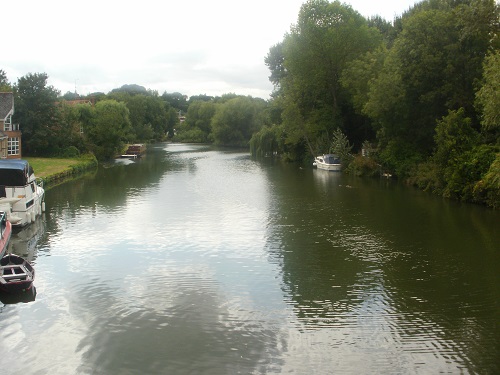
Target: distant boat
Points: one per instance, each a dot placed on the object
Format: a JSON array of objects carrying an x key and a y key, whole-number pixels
[
  {"x": 5, "y": 233},
  {"x": 21, "y": 193},
  {"x": 16, "y": 274},
  {"x": 136, "y": 149},
  {"x": 328, "y": 162}
]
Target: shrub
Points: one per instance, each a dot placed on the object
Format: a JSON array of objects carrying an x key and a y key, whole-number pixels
[{"x": 363, "y": 166}]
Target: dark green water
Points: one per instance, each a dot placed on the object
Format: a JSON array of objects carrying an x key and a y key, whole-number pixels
[{"x": 196, "y": 261}]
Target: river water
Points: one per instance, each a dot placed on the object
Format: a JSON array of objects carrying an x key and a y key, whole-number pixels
[{"x": 200, "y": 261}]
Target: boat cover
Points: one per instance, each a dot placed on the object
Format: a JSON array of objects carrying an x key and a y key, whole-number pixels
[{"x": 14, "y": 172}]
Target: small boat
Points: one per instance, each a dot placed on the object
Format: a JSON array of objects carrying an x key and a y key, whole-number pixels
[
  {"x": 328, "y": 162},
  {"x": 21, "y": 193},
  {"x": 5, "y": 233},
  {"x": 127, "y": 156},
  {"x": 16, "y": 274},
  {"x": 136, "y": 149}
]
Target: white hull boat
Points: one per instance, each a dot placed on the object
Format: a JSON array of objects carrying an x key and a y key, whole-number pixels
[
  {"x": 328, "y": 162},
  {"x": 21, "y": 193}
]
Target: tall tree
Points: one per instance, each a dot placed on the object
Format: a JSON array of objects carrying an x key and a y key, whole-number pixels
[
  {"x": 433, "y": 67},
  {"x": 176, "y": 100},
  {"x": 199, "y": 116},
  {"x": 4, "y": 82},
  {"x": 110, "y": 129},
  {"x": 236, "y": 120},
  {"x": 148, "y": 116},
  {"x": 68, "y": 135},
  {"x": 308, "y": 67},
  {"x": 488, "y": 97},
  {"x": 36, "y": 112}
]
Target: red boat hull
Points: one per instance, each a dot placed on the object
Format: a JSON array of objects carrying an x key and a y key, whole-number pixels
[{"x": 6, "y": 232}]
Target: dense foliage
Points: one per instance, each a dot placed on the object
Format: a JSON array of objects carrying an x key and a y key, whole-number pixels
[
  {"x": 421, "y": 91},
  {"x": 70, "y": 125},
  {"x": 419, "y": 95}
]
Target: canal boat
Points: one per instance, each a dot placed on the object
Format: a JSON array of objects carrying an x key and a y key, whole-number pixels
[
  {"x": 21, "y": 193},
  {"x": 134, "y": 151},
  {"x": 328, "y": 162},
  {"x": 16, "y": 274},
  {"x": 5, "y": 233}
]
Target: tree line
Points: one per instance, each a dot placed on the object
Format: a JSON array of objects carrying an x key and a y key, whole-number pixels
[
  {"x": 418, "y": 95},
  {"x": 102, "y": 124}
]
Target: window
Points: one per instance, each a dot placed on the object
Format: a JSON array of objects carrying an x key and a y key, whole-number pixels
[
  {"x": 13, "y": 146},
  {"x": 8, "y": 123}
]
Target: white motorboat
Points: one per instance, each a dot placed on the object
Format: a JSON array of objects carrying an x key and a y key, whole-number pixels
[
  {"x": 21, "y": 193},
  {"x": 328, "y": 162}
]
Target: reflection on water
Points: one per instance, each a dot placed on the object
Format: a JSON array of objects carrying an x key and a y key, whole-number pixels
[
  {"x": 24, "y": 242},
  {"x": 194, "y": 260},
  {"x": 20, "y": 297}
]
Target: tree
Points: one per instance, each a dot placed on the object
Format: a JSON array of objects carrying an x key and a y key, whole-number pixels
[
  {"x": 236, "y": 120},
  {"x": 275, "y": 62},
  {"x": 4, "y": 82},
  {"x": 109, "y": 129},
  {"x": 432, "y": 68},
  {"x": 307, "y": 67},
  {"x": 132, "y": 89},
  {"x": 176, "y": 100},
  {"x": 70, "y": 96},
  {"x": 201, "y": 97},
  {"x": 148, "y": 116},
  {"x": 267, "y": 141},
  {"x": 36, "y": 112},
  {"x": 199, "y": 116},
  {"x": 68, "y": 135},
  {"x": 341, "y": 147},
  {"x": 488, "y": 97}
]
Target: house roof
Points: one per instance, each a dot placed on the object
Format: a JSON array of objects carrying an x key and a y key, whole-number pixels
[{"x": 6, "y": 104}]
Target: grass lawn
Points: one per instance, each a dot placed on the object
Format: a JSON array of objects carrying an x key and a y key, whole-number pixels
[{"x": 44, "y": 167}]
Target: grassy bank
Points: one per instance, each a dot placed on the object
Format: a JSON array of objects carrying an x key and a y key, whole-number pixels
[{"x": 54, "y": 170}]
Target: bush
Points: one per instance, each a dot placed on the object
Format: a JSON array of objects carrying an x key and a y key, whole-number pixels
[
  {"x": 428, "y": 177},
  {"x": 400, "y": 157},
  {"x": 363, "y": 166},
  {"x": 469, "y": 169},
  {"x": 71, "y": 152},
  {"x": 192, "y": 136},
  {"x": 487, "y": 190}
]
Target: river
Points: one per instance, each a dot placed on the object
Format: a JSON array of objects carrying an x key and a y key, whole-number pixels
[{"x": 193, "y": 260}]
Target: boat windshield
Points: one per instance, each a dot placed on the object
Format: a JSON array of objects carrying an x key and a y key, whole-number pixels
[{"x": 332, "y": 159}]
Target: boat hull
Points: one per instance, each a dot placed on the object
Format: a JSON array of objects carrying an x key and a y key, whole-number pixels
[
  {"x": 21, "y": 193},
  {"x": 329, "y": 167},
  {"x": 6, "y": 233},
  {"x": 328, "y": 162},
  {"x": 16, "y": 274}
]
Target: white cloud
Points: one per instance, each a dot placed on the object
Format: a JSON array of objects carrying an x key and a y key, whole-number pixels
[{"x": 193, "y": 47}]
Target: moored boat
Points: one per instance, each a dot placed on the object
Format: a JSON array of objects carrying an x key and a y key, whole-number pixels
[
  {"x": 5, "y": 233},
  {"x": 136, "y": 149},
  {"x": 21, "y": 193},
  {"x": 328, "y": 162},
  {"x": 16, "y": 274}
]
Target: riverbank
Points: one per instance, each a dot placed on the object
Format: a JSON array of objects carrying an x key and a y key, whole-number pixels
[{"x": 54, "y": 171}]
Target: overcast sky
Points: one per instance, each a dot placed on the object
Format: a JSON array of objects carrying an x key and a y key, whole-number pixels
[{"x": 187, "y": 46}]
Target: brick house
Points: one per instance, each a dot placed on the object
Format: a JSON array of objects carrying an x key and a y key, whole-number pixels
[{"x": 10, "y": 134}]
